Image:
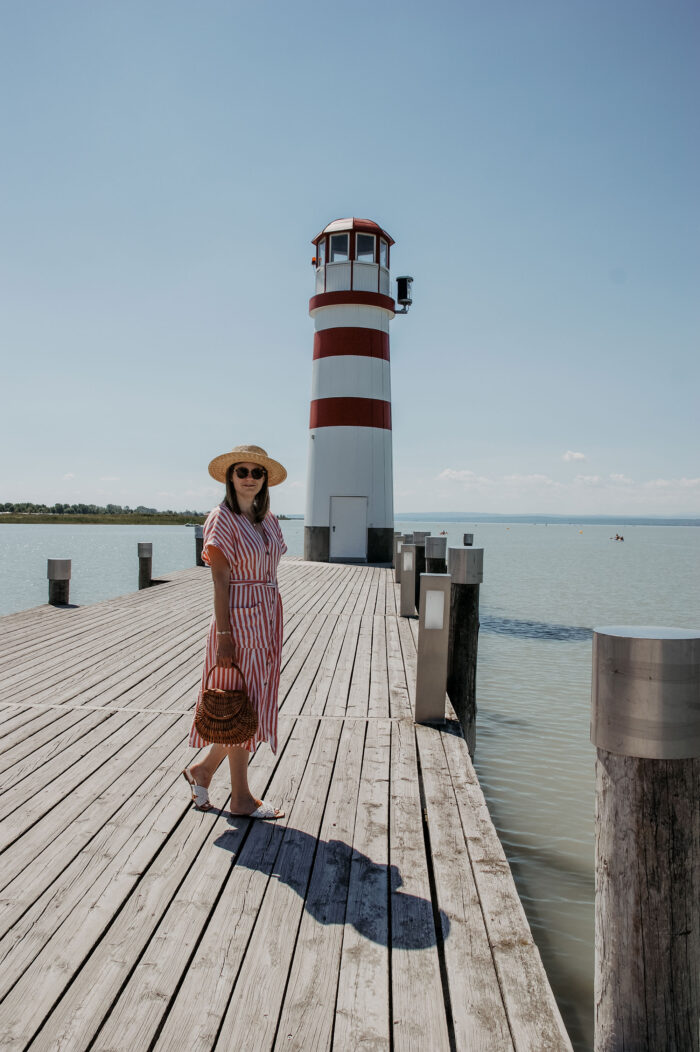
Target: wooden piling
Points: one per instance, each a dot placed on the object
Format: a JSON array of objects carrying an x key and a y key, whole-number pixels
[
  {"x": 58, "y": 572},
  {"x": 646, "y": 728},
  {"x": 198, "y": 545},
  {"x": 466, "y": 568},
  {"x": 145, "y": 564},
  {"x": 436, "y": 554},
  {"x": 468, "y": 540}
]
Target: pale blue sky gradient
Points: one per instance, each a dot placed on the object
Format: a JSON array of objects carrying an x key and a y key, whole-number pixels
[{"x": 165, "y": 165}]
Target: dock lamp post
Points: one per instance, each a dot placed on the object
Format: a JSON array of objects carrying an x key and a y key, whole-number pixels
[{"x": 433, "y": 639}]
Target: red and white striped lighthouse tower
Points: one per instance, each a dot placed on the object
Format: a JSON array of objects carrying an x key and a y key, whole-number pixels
[{"x": 350, "y": 506}]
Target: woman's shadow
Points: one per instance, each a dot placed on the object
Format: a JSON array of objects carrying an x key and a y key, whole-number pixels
[{"x": 341, "y": 885}]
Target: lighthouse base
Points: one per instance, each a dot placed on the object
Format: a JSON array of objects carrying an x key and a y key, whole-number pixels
[{"x": 317, "y": 545}]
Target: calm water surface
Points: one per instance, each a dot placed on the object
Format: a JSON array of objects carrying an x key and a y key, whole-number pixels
[{"x": 544, "y": 589}]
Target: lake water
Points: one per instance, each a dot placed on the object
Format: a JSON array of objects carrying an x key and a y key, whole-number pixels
[{"x": 545, "y": 587}]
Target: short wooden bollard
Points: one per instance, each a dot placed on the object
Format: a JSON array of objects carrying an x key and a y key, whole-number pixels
[
  {"x": 58, "y": 573},
  {"x": 436, "y": 554},
  {"x": 466, "y": 569},
  {"x": 468, "y": 540},
  {"x": 645, "y": 724},
  {"x": 145, "y": 564},
  {"x": 198, "y": 545},
  {"x": 408, "y": 580},
  {"x": 433, "y": 640}
]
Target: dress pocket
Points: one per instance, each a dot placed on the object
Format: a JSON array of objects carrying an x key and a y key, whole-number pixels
[{"x": 249, "y": 624}]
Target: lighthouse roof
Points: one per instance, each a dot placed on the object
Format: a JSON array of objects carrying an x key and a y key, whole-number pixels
[{"x": 352, "y": 223}]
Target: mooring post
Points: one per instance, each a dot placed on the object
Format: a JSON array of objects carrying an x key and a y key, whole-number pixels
[
  {"x": 436, "y": 554},
  {"x": 58, "y": 573},
  {"x": 433, "y": 640},
  {"x": 145, "y": 563},
  {"x": 198, "y": 545},
  {"x": 466, "y": 569},
  {"x": 468, "y": 540},
  {"x": 408, "y": 580},
  {"x": 419, "y": 537},
  {"x": 645, "y": 724}
]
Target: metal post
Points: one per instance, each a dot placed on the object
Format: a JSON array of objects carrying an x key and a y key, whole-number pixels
[
  {"x": 433, "y": 640},
  {"x": 397, "y": 557},
  {"x": 645, "y": 724},
  {"x": 419, "y": 542},
  {"x": 198, "y": 545},
  {"x": 436, "y": 554},
  {"x": 468, "y": 540},
  {"x": 397, "y": 537},
  {"x": 466, "y": 569},
  {"x": 408, "y": 580},
  {"x": 145, "y": 563},
  {"x": 58, "y": 572}
]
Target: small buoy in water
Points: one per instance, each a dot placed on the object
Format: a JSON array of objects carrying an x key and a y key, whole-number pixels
[{"x": 580, "y": 531}]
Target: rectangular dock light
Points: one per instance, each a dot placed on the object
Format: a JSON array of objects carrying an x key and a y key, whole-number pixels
[
  {"x": 407, "y": 560},
  {"x": 434, "y": 609}
]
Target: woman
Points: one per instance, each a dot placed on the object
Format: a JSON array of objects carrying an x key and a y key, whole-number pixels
[{"x": 243, "y": 544}]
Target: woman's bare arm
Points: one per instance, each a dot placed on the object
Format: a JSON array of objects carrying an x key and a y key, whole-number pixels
[{"x": 221, "y": 575}]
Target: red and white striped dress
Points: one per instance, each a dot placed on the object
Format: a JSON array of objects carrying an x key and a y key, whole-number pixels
[{"x": 253, "y": 554}]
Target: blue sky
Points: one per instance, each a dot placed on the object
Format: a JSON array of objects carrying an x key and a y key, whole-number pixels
[{"x": 165, "y": 165}]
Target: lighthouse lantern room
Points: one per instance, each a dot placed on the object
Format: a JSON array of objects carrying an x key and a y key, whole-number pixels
[{"x": 349, "y": 508}]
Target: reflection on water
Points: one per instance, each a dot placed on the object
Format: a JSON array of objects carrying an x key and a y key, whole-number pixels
[{"x": 508, "y": 626}]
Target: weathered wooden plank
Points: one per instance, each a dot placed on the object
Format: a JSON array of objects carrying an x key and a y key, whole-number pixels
[
  {"x": 379, "y": 675},
  {"x": 252, "y": 1013},
  {"x": 120, "y": 804},
  {"x": 358, "y": 693},
  {"x": 306, "y": 1020},
  {"x": 202, "y": 999},
  {"x": 418, "y": 1007},
  {"x": 79, "y": 1014},
  {"x": 362, "y": 1011},
  {"x": 399, "y": 701},
  {"x": 534, "y": 1019},
  {"x": 480, "y": 1021}
]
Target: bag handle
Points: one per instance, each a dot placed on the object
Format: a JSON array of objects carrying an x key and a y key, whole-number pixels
[{"x": 240, "y": 670}]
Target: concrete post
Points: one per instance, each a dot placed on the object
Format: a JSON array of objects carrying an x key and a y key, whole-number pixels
[
  {"x": 198, "y": 545},
  {"x": 468, "y": 540},
  {"x": 436, "y": 554},
  {"x": 408, "y": 580},
  {"x": 433, "y": 640},
  {"x": 645, "y": 724},
  {"x": 58, "y": 572},
  {"x": 466, "y": 569},
  {"x": 145, "y": 564}
]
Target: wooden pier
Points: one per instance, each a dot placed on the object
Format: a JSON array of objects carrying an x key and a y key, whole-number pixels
[{"x": 379, "y": 914}]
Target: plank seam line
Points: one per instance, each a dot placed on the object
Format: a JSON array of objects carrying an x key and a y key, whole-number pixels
[{"x": 439, "y": 937}]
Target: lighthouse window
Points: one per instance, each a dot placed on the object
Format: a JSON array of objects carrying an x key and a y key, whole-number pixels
[
  {"x": 365, "y": 248},
  {"x": 321, "y": 252},
  {"x": 383, "y": 253},
  {"x": 340, "y": 249}
]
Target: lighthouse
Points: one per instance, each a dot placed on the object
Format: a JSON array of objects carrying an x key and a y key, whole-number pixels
[{"x": 350, "y": 506}]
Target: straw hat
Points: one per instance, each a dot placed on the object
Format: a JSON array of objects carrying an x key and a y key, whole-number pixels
[{"x": 249, "y": 455}]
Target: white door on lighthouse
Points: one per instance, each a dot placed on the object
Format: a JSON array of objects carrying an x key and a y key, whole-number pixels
[{"x": 348, "y": 528}]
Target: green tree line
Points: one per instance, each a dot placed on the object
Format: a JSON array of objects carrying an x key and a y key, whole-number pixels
[{"x": 27, "y": 508}]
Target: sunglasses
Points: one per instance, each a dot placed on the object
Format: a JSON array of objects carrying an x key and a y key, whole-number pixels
[{"x": 255, "y": 473}]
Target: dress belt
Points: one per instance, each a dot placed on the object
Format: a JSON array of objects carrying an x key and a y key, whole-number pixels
[{"x": 270, "y": 584}]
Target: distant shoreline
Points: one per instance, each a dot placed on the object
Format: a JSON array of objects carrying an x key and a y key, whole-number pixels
[{"x": 42, "y": 518}]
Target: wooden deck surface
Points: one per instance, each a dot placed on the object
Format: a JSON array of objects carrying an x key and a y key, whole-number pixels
[{"x": 379, "y": 914}]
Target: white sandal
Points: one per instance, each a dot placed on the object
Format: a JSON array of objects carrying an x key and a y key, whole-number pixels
[
  {"x": 265, "y": 810},
  {"x": 200, "y": 794}
]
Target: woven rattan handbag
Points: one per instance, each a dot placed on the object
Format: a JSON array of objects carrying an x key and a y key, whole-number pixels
[{"x": 226, "y": 717}]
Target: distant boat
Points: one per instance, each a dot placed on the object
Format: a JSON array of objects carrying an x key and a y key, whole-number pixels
[{"x": 190, "y": 524}]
